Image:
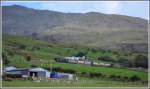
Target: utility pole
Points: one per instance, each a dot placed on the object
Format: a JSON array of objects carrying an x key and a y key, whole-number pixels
[{"x": 51, "y": 66}]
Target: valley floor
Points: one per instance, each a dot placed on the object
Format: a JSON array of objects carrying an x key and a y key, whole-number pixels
[{"x": 80, "y": 83}]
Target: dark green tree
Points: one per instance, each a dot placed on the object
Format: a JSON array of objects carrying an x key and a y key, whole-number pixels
[
  {"x": 141, "y": 61},
  {"x": 124, "y": 62},
  {"x": 134, "y": 78},
  {"x": 22, "y": 47},
  {"x": 28, "y": 57},
  {"x": 81, "y": 54},
  {"x": 5, "y": 59}
]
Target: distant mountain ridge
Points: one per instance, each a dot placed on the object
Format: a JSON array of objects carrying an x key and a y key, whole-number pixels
[{"x": 108, "y": 31}]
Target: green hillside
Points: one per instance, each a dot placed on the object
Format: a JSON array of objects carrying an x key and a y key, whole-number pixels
[
  {"x": 107, "y": 31},
  {"x": 18, "y": 50}
]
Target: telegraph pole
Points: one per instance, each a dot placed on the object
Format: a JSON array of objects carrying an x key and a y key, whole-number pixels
[{"x": 51, "y": 66}]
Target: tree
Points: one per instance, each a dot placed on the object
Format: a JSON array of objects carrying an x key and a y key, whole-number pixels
[
  {"x": 28, "y": 57},
  {"x": 22, "y": 47},
  {"x": 134, "y": 78},
  {"x": 105, "y": 58},
  {"x": 141, "y": 61},
  {"x": 124, "y": 62},
  {"x": 80, "y": 54},
  {"x": 33, "y": 65},
  {"x": 5, "y": 59}
]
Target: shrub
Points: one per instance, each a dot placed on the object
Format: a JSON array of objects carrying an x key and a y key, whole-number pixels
[
  {"x": 22, "y": 46},
  {"x": 141, "y": 61},
  {"x": 124, "y": 62},
  {"x": 125, "y": 78},
  {"x": 28, "y": 57},
  {"x": 5, "y": 59},
  {"x": 80, "y": 54},
  {"x": 92, "y": 75},
  {"x": 85, "y": 74},
  {"x": 114, "y": 77},
  {"x": 33, "y": 65},
  {"x": 134, "y": 78},
  {"x": 106, "y": 58}
]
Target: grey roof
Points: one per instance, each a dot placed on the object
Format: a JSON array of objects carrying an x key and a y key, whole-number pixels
[
  {"x": 38, "y": 70},
  {"x": 13, "y": 72},
  {"x": 10, "y": 68}
]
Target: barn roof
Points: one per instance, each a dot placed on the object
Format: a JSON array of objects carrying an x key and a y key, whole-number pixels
[
  {"x": 13, "y": 72},
  {"x": 10, "y": 68},
  {"x": 38, "y": 70}
]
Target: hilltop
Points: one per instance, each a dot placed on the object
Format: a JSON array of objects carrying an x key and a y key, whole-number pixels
[{"x": 105, "y": 31}]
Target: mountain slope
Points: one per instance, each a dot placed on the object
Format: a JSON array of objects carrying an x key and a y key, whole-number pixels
[{"x": 90, "y": 29}]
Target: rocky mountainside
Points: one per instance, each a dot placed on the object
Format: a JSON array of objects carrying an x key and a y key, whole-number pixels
[{"x": 106, "y": 31}]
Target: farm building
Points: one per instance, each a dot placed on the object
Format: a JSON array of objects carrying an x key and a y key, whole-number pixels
[
  {"x": 23, "y": 71},
  {"x": 26, "y": 72},
  {"x": 39, "y": 72},
  {"x": 9, "y": 68},
  {"x": 14, "y": 72},
  {"x": 14, "y": 69},
  {"x": 66, "y": 76},
  {"x": 61, "y": 76}
]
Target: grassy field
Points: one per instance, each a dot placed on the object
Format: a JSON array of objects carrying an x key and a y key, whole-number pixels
[
  {"x": 16, "y": 50},
  {"x": 103, "y": 70},
  {"x": 80, "y": 83},
  {"x": 47, "y": 51}
]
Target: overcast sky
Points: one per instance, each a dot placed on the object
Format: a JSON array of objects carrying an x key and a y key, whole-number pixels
[{"x": 130, "y": 8}]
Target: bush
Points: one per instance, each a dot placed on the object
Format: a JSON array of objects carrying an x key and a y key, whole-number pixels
[
  {"x": 141, "y": 61},
  {"x": 33, "y": 65},
  {"x": 22, "y": 46},
  {"x": 84, "y": 74},
  {"x": 28, "y": 57},
  {"x": 5, "y": 59},
  {"x": 124, "y": 62},
  {"x": 114, "y": 77},
  {"x": 106, "y": 58},
  {"x": 125, "y": 78},
  {"x": 96, "y": 75},
  {"x": 117, "y": 77},
  {"x": 80, "y": 54},
  {"x": 134, "y": 78}
]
